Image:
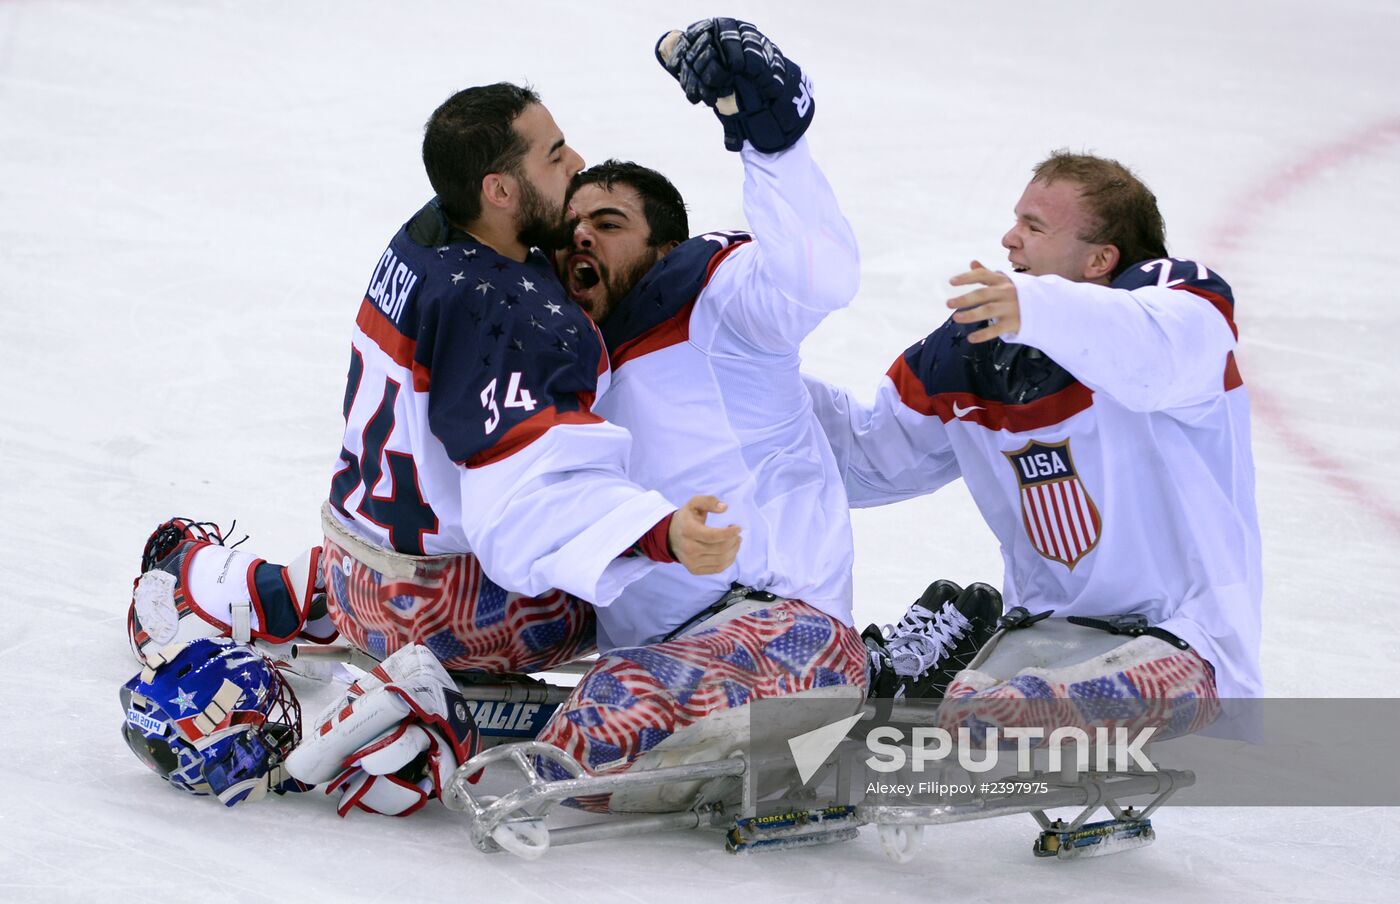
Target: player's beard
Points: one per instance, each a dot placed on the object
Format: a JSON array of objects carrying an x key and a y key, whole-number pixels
[
  {"x": 540, "y": 225},
  {"x": 618, "y": 283}
]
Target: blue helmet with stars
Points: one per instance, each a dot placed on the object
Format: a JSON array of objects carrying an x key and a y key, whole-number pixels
[{"x": 213, "y": 716}]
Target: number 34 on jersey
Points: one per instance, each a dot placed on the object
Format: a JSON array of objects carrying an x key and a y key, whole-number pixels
[{"x": 516, "y": 397}]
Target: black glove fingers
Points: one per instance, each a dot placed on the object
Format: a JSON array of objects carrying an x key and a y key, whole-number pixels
[{"x": 715, "y": 58}]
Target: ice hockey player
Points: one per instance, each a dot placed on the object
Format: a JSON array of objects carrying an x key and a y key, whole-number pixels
[
  {"x": 469, "y": 438},
  {"x": 471, "y": 446},
  {"x": 1091, "y": 402},
  {"x": 702, "y": 334}
]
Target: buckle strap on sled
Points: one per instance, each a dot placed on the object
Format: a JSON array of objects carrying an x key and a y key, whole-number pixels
[
  {"x": 1020, "y": 617},
  {"x": 737, "y": 593},
  {"x": 1129, "y": 625}
]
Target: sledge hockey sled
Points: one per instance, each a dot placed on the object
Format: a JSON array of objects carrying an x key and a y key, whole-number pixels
[
  {"x": 721, "y": 791},
  {"x": 716, "y": 785},
  {"x": 518, "y": 821}
]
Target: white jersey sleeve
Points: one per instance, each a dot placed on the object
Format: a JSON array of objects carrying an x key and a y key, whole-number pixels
[
  {"x": 1151, "y": 347},
  {"x": 886, "y": 452},
  {"x": 559, "y": 512},
  {"x": 802, "y": 264}
]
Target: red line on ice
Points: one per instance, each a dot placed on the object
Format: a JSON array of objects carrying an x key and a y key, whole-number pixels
[{"x": 1245, "y": 212}]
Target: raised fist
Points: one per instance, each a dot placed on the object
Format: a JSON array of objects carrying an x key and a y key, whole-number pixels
[{"x": 758, "y": 94}]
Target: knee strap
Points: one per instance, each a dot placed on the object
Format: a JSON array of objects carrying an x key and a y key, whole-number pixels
[{"x": 1130, "y": 625}]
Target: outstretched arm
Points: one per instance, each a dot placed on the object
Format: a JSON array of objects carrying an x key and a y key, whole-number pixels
[
  {"x": 1158, "y": 338},
  {"x": 885, "y": 452}
]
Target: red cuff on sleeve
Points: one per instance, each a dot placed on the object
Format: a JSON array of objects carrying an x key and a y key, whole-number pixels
[{"x": 654, "y": 545}]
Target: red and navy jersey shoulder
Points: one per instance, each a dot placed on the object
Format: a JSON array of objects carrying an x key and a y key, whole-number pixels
[
  {"x": 1197, "y": 279},
  {"x": 1005, "y": 386},
  {"x": 1185, "y": 275},
  {"x": 497, "y": 346},
  {"x": 996, "y": 384},
  {"x": 656, "y": 313}
]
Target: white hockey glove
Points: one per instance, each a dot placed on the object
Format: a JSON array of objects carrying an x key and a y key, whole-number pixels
[{"x": 394, "y": 741}]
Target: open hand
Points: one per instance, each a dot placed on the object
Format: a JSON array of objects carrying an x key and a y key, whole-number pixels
[
  {"x": 700, "y": 548},
  {"x": 995, "y": 303}
]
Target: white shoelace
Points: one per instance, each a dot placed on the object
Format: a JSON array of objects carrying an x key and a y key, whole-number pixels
[{"x": 923, "y": 638}]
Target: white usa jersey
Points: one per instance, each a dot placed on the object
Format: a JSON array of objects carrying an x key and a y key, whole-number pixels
[
  {"x": 706, "y": 377},
  {"x": 1106, "y": 444},
  {"x": 469, "y": 423}
]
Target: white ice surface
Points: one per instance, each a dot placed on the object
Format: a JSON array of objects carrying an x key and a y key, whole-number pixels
[{"x": 192, "y": 197}]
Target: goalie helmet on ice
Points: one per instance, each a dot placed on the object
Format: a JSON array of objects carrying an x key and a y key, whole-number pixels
[{"x": 213, "y": 717}]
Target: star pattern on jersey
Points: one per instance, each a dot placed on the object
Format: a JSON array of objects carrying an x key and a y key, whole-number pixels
[
  {"x": 522, "y": 320},
  {"x": 184, "y": 699},
  {"x": 442, "y": 250},
  {"x": 469, "y": 253}
]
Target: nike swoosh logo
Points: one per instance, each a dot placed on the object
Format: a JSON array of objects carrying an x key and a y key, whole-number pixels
[{"x": 959, "y": 411}]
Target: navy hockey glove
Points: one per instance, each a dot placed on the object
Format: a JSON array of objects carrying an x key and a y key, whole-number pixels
[{"x": 757, "y": 93}]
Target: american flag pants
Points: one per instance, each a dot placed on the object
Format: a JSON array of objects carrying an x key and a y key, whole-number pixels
[
  {"x": 1145, "y": 681},
  {"x": 451, "y": 607},
  {"x": 637, "y": 697}
]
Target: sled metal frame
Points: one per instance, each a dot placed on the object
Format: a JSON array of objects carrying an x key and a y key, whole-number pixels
[
  {"x": 492, "y": 819},
  {"x": 498, "y": 823}
]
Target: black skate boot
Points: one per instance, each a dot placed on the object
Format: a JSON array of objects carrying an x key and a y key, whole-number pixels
[
  {"x": 940, "y": 635},
  {"x": 883, "y": 680}
]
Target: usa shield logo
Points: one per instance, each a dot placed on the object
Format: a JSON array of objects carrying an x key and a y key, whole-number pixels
[{"x": 1061, "y": 520}]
